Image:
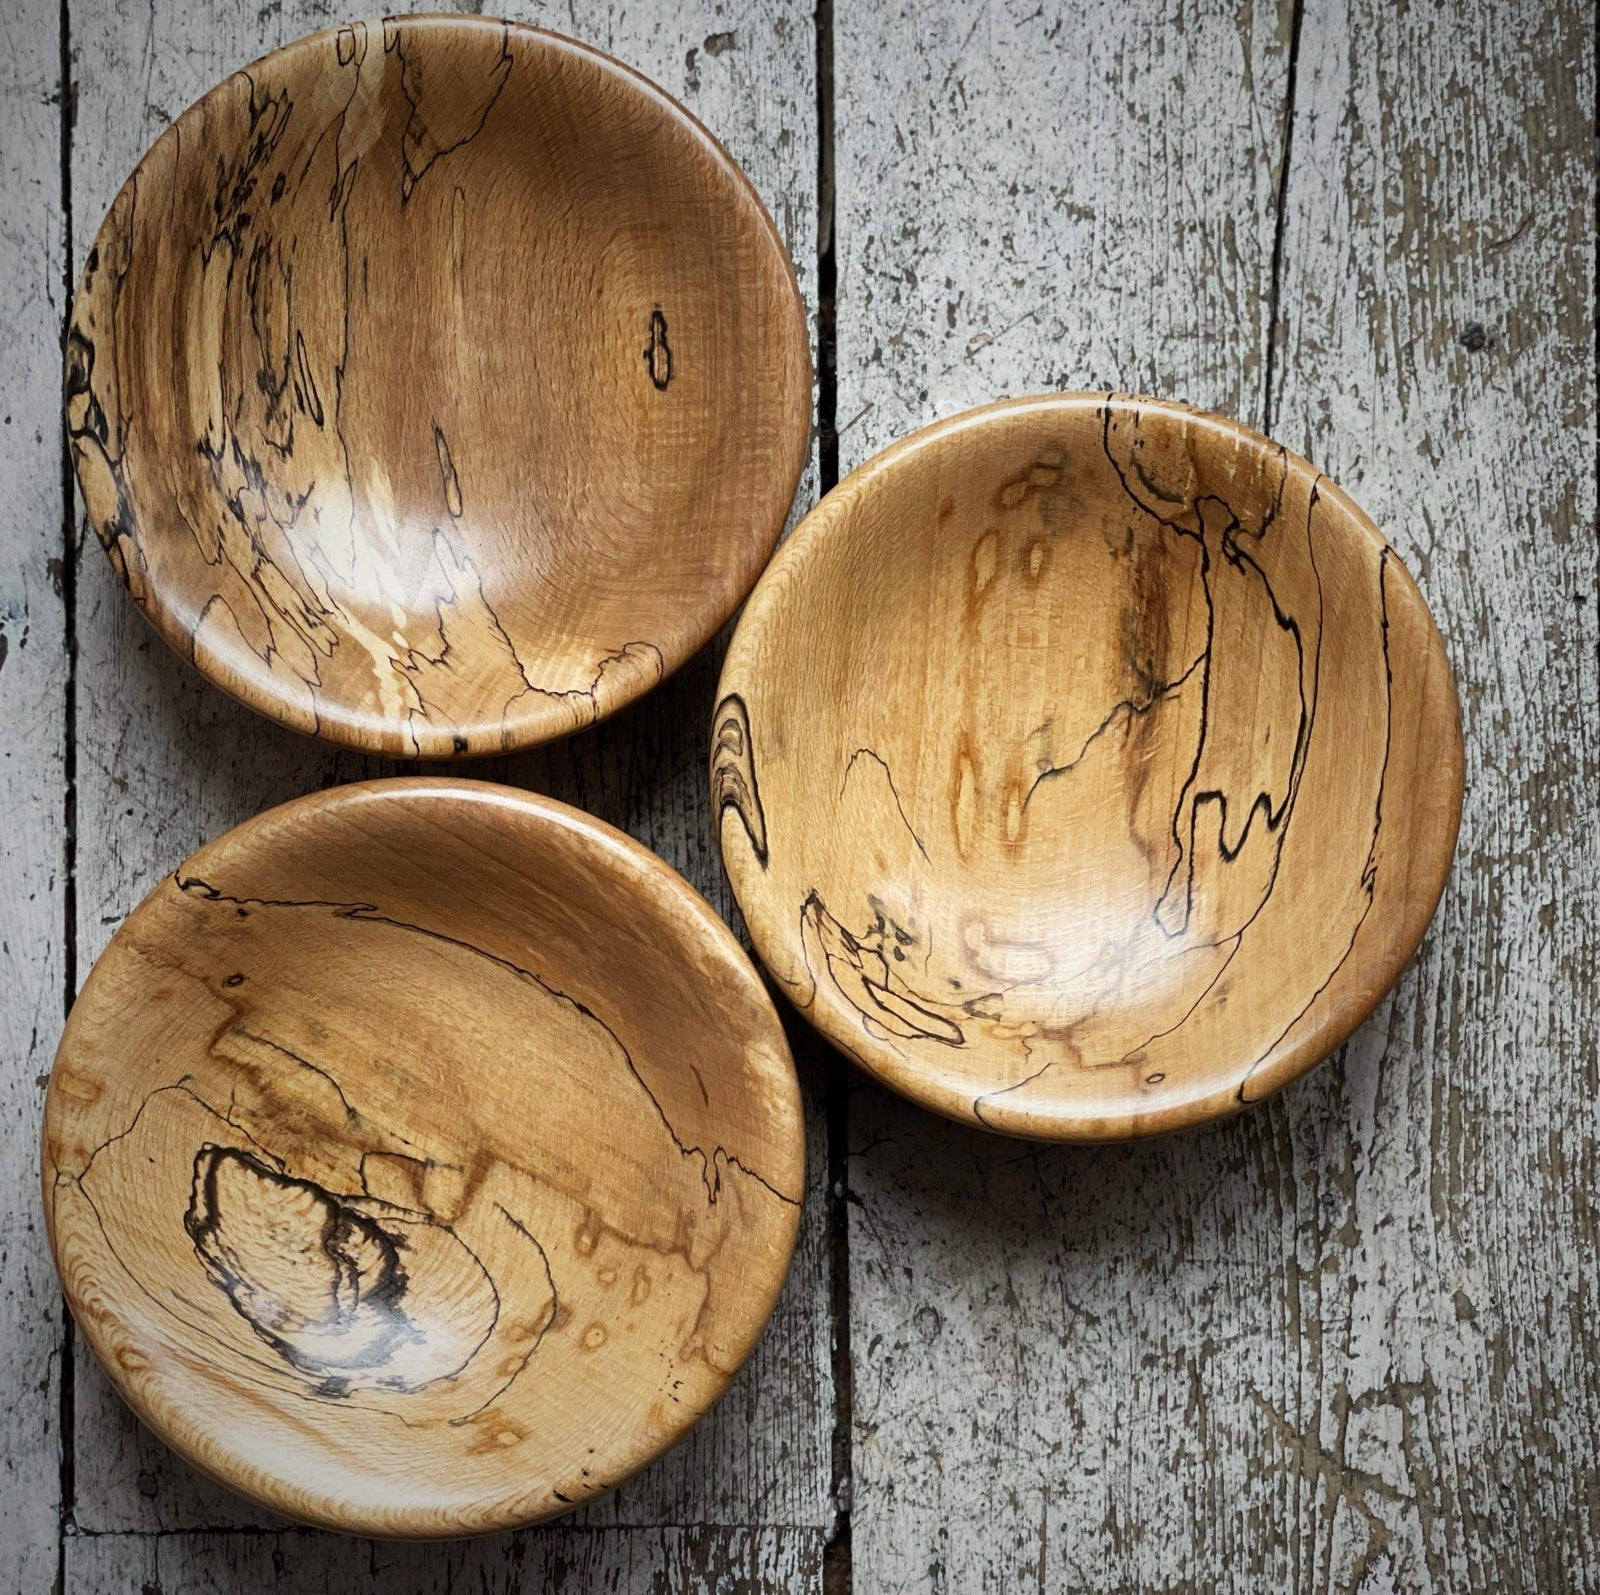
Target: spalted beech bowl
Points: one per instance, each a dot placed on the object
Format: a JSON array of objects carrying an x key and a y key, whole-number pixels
[
  {"x": 1086, "y": 766},
  {"x": 437, "y": 385},
  {"x": 422, "y": 1157}
]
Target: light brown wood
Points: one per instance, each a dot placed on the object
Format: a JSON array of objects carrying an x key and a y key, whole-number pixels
[
  {"x": 1086, "y": 766},
  {"x": 422, "y": 1157},
  {"x": 761, "y": 1455},
  {"x": 437, "y": 386}
]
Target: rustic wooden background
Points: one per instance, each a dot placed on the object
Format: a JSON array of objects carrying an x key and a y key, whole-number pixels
[{"x": 1350, "y": 1340}]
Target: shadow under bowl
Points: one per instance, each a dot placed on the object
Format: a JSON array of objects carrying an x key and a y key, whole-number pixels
[{"x": 1086, "y": 766}]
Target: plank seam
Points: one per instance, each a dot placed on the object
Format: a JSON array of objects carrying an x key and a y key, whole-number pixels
[
  {"x": 67, "y": 1414},
  {"x": 1278, "y": 220},
  {"x": 836, "y": 1561}
]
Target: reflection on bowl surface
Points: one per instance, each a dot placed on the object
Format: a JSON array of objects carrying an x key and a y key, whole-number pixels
[
  {"x": 1087, "y": 766},
  {"x": 437, "y": 385},
  {"x": 422, "y": 1158}
]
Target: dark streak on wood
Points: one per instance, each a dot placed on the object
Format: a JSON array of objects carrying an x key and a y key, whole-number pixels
[{"x": 763, "y": 1453}]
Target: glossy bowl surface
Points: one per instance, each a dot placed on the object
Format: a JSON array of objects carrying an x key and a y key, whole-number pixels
[
  {"x": 1086, "y": 766},
  {"x": 437, "y": 385},
  {"x": 422, "y": 1157}
]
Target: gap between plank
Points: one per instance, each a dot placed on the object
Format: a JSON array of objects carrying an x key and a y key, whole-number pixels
[
  {"x": 1295, "y": 18},
  {"x": 836, "y": 1563},
  {"x": 67, "y": 1414}
]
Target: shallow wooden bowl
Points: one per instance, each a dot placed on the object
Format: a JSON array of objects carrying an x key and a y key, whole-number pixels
[
  {"x": 422, "y": 1158},
  {"x": 437, "y": 385},
  {"x": 1086, "y": 766}
]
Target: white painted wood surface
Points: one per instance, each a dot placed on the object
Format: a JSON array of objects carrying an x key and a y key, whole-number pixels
[
  {"x": 33, "y": 675},
  {"x": 1345, "y": 1342}
]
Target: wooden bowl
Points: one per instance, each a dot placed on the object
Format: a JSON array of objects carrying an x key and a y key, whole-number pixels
[
  {"x": 422, "y": 1158},
  {"x": 1086, "y": 767},
  {"x": 437, "y": 386}
]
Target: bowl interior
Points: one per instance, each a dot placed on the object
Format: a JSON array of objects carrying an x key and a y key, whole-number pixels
[
  {"x": 422, "y": 1158},
  {"x": 437, "y": 385},
  {"x": 1086, "y": 766}
]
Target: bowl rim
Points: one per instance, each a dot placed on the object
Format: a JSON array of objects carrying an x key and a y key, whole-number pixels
[
  {"x": 528, "y": 730},
  {"x": 636, "y": 871},
  {"x": 1207, "y": 1102}
]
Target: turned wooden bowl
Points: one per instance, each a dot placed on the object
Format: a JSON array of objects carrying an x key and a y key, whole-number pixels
[
  {"x": 1086, "y": 767},
  {"x": 436, "y": 386},
  {"x": 422, "y": 1158}
]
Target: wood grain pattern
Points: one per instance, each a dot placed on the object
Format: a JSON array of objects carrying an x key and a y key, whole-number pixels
[
  {"x": 1125, "y": 792},
  {"x": 438, "y": 386},
  {"x": 422, "y": 1158},
  {"x": 761, "y": 1456},
  {"x": 1344, "y": 1342}
]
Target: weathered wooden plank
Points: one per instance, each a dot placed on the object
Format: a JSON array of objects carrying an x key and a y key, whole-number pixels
[
  {"x": 1052, "y": 196},
  {"x": 1345, "y": 1341},
  {"x": 1438, "y": 356},
  {"x": 1050, "y": 1344},
  {"x": 33, "y": 678},
  {"x": 165, "y": 760},
  {"x": 638, "y": 1561}
]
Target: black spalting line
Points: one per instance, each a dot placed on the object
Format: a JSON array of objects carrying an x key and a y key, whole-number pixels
[
  {"x": 350, "y": 1114},
  {"x": 415, "y": 658},
  {"x": 368, "y": 914},
  {"x": 1133, "y": 708},
  {"x": 340, "y": 1232},
  {"x": 553, "y": 1312},
  {"x": 1270, "y": 519},
  {"x": 183, "y": 1088},
  {"x": 733, "y": 773},
  {"x": 1369, "y": 873},
  {"x": 658, "y": 352},
  {"x": 894, "y": 792},
  {"x": 1188, "y": 798},
  {"x": 980, "y": 1103},
  {"x": 270, "y": 1165},
  {"x": 425, "y": 1164},
  {"x": 1302, "y": 748},
  {"x": 854, "y": 948},
  {"x": 393, "y": 34},
  {"x": 1303, "y": 742},
  {"x": 1276, "y": 820},
  {"x": 618, "y": 656},
  {"x": 1262, "y": 802},
  {"x": 1153, "y": 487},
  {"x": 448, "y": 479}
]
